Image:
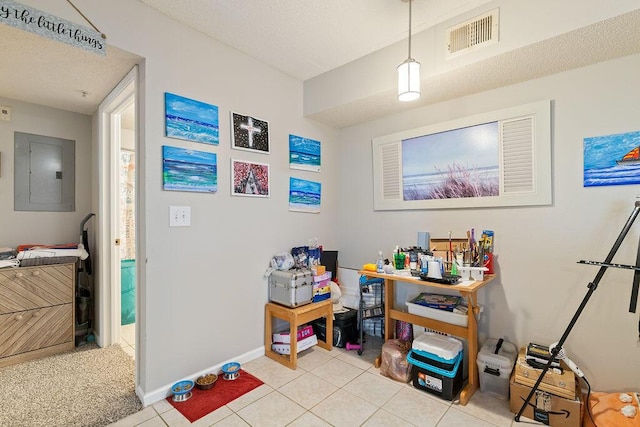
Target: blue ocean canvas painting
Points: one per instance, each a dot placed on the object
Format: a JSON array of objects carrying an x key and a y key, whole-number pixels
[
  {"x": 191, "y": 120},
  {"x": 304, "y": 153},
  {"x": 304, "y": 196},
  {"x": 189, "y": 170},
  {"x": 612, "y": 160}
]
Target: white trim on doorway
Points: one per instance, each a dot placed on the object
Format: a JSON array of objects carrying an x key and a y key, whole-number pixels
[{"x": 108, "y": 271}]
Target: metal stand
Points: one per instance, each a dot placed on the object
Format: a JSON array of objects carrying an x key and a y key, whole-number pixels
[{"x": 592, "y": 287}]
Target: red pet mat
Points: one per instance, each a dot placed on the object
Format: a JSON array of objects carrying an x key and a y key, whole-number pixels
[{"x": 224, "y": 391}]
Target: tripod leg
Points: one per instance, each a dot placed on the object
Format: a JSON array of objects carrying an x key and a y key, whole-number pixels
[{"x": 636, "y": 284}]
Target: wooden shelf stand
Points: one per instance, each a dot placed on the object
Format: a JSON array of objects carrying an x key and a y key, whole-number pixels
[
  {"x": 296, "y": 317},
  {"x": 470, "y": 332}
]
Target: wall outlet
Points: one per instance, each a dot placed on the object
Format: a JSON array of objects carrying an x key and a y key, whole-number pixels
[
  {"x": 179, "y": 216},
  {"x": 5, "y": 113}
]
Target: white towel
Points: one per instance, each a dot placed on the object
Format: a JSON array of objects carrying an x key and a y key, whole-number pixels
[
  {"x": 48, "y": 252},
  {"x": 9, "y": 263}
]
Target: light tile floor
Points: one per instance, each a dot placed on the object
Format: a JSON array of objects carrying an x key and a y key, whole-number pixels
[
  {"x": 334, "y": 388},
  {"x": 128, "y": 339}
]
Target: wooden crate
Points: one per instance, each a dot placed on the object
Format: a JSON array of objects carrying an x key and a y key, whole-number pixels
[{"x": 563, "y": 385}]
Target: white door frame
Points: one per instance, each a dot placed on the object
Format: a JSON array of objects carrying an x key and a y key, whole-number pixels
[{"x": 109, "y": 111}]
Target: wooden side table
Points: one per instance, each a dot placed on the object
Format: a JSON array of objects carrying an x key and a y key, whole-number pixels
[{"x": 296, "y": 316}]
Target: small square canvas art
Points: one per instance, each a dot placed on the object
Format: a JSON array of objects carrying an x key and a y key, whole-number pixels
[
  {"x": 189, "y": 170},
  {"x": 249, "y": 133},
  {"x": 304, "y": 196},
  {"x": 249, "y": 179},
  {"x": 191, "y": 120},
  {"x": 304, "y": 153}
]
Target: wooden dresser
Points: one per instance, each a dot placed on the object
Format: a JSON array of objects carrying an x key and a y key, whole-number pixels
[{"x": 36, "y": 312}]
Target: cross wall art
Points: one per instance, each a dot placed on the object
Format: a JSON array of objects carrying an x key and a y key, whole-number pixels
[{"x": 249, "y": 133}]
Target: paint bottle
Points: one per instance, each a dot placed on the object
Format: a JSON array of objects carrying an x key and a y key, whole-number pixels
[{"x": 380, "y": 263}]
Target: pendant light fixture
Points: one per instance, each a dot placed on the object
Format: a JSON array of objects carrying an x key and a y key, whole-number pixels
[{"x": 409, "y": 73}]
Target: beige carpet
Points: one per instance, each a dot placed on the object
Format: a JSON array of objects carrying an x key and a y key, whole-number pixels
[{"x": 89, "y": 386}]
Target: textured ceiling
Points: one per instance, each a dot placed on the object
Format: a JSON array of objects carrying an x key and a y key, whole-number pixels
[
  {"x": 605, "y": 40},
  {"x": 305, "y": 38},
  {"x": 45, "y": 72}
]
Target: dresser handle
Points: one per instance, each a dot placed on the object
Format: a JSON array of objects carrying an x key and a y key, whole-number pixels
[
  {"x": 18, "y": 275},
  {"x": 19, "y": 317},
  {"x": 36, "y": 273}
]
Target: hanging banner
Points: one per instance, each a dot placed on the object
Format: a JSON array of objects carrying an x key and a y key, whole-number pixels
[{"x": 35, "y": 21}]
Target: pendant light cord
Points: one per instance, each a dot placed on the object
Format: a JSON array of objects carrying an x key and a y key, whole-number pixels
[
  {"x": 101, "y": 33},
  {"x": 410, "y": 2}
]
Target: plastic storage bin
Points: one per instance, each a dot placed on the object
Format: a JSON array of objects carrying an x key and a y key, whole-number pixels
[
  {"x": 127, "y": 291},
  {"x": 495, "y": 363},
  {"x": 436, "y": 365}
]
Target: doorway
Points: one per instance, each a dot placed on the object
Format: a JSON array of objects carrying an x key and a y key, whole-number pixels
[
  {"x": 127, "y": 228},
  {"x": 117, "y": 237}
]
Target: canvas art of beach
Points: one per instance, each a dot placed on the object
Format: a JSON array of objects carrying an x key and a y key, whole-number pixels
[
  {"x": 304, "y": 196},
  {"x": 304, "y": 153},
  {"x": 612, "y": 160},
  {"x": 453, "y": 164},
  {"x": 191, "y": 120},
  {"x": 189, "y": 170}
]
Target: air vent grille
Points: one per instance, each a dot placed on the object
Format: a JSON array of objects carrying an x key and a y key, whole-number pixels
[{"x": 479, "y": 31}]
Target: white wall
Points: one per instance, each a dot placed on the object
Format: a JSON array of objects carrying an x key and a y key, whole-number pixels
[
  {"x": 21, "y": 227},
  {"x": 202, "y": 292},
  {"x": 539, "y": 285}
]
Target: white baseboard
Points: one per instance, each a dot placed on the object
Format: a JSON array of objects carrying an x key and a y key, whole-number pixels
[{"x": 165, "y": 391}]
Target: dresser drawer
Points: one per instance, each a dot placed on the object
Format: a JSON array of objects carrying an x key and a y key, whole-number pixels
[
  {"x": 35, "y": 329},
  {"x": 27, "y": 288}
]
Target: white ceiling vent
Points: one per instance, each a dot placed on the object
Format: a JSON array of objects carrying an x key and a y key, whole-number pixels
[{"x": 476, "y": 32}]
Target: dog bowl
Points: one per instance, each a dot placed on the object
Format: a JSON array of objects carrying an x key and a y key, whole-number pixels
[
  {"x": 231, "y": 371},
  {"x": 206, "y": 381},
  {"x": 182, "y": 390}
]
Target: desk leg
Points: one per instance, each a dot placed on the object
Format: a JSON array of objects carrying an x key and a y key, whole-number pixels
[
  {"x": 293, "y": 337},
  {"x": 268, "y": 325},
  {"x": 389, "y": 303},
  {"x": 472, "y": 340}
]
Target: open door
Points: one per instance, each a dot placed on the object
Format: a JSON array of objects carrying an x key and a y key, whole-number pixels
[{"x": 110, "y": 117}]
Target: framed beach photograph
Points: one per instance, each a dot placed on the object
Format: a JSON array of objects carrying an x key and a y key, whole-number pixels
[
  {"x": 191, "y": 120},
  {"x": 304, "y": 153},
  {"x": 189, "y": 170},
  {"x": 496, "y": 158},
  {"x": 304, "y": 196},
  {"x": 249, "y": 133},
  {"x": 249, "y": 179},
  {"x": 612, "y": 160}
]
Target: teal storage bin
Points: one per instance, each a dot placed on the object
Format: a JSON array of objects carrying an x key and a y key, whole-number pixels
[{"x": 127, "y": 291}]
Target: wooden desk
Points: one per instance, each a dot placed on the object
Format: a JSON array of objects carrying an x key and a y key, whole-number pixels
[
  {"x": 296, "y": 317},
  {"x": 470, "y": 332}
]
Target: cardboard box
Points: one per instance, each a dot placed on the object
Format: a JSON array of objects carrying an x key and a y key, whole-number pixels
[
  {"x": 563, "y": 385},
  {"x": 318, "y": 270},
  {"x": 303, "y": 344},
  {"x": 545, "y": 407}
]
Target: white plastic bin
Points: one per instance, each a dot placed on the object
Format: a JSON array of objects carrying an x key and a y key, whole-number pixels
[{"x": 495, "y": 368}]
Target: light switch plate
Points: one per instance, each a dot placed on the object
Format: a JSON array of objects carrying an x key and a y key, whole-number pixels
[
  {"x": 179, "y": 216},
  {"x": 5, "y": 113}
]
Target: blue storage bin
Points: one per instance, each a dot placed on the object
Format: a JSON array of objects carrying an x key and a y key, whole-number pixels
[
  {"x": 436, "y": 375},
  {"x": 127, "y": 291}
]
